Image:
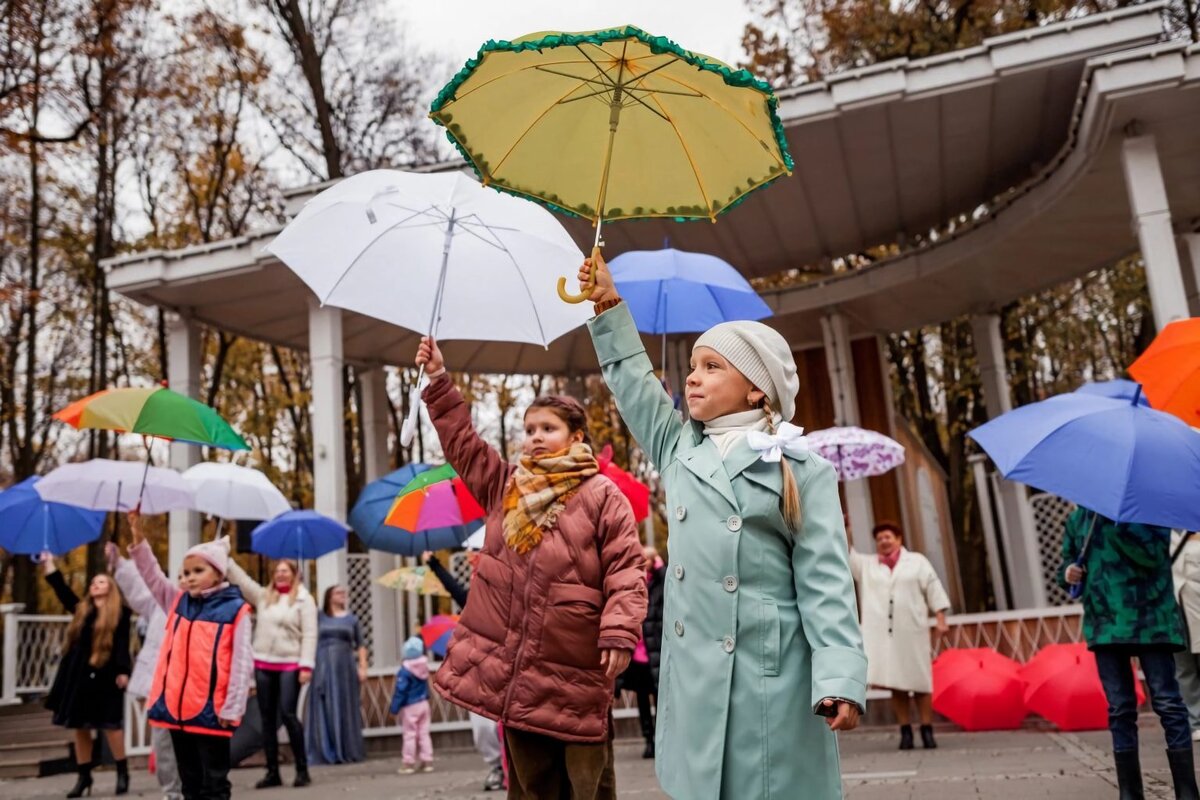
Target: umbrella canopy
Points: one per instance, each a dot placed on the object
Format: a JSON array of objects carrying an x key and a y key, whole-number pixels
[
  {"x": 978, "y": 689},
  {"x": 233, "y": 492},
  {"x": 1125, "y": 461},
  {"x": 475, "y": 540},
  {"x": 421, "y": 580},
  {"x": 436, "y": 254},
  {"x": 298, "y": 535},
  {"x": 103, "y": 484},
  {"x": 435, "y": 498},
  {"x": 437, "y": 633},
  {"x": 152, "y": 411},
  {"x": 369, "y": 515},
  {"x": 1170, "y": 370},
  {"x": 1117, "y": 390},
  {"x": 856, "y": 452},
  {"x": 674, "y": 291},
  {"x": 30, "y": 525},
  {"x": 636, "y": 492},
  {"x": 1063, "y": 685}
]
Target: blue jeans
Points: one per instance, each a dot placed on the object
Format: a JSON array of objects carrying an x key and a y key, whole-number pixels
[{"x": 1116, "y": 674}]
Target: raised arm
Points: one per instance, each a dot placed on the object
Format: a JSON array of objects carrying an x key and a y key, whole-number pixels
[
  {"x": 457, "y": 591},
  {"x": 156, "y": 582},
  {"x": 137, "y": 594},
  {"x": 251, "y": 589},
  {"x": 61, "y": 590},
  {"x": 482, "y": 469},
  {"x": 825, "y": 593}
]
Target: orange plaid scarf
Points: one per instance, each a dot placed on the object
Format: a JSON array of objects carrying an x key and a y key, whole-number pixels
[{"x": 539, "y": 491}]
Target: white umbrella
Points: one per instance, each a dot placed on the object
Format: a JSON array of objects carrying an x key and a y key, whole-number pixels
[
  {"x": 106, "y": 485},
  {"x": 438, "y": 254},
  {"x": 230, "y": 491}
]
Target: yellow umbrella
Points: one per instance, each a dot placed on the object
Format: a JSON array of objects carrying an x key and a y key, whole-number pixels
[
  {"x": 614, "y": 124},
  {"x": 413, "y": 579}
]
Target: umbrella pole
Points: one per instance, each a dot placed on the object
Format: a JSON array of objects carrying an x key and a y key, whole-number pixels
[
  {"x": 147, "y": 441},
  {"x": 409, "y": 430},
  {"x": 1076, "y": 589}
]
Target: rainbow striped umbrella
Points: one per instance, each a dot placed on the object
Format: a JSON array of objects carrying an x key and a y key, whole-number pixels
[
  {"x": 152, "y": 411},
  {"x": 436, "y": 498}
]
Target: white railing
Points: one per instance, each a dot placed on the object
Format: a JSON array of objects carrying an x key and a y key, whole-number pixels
[{"x": 32, "y": 643}]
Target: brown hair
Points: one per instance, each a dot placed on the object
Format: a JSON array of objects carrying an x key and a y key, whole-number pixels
[
  {"x": 568, "y": 409},
  {"x": 104, "y": 626},
  {"x": 790, "y": 502},
  {"x": 273, "y": 595},
  {"x": 887, "y": 525},
  {"x": 328, "y": 596}
]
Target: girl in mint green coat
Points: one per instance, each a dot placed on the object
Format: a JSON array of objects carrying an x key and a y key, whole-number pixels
[{"x": 762, "y": 656}]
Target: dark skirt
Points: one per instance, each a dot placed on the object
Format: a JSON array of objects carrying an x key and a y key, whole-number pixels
[{"x": 333, "y": 726}]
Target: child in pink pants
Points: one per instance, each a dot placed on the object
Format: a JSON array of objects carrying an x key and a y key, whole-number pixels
[{"x": 411, "y": 702}]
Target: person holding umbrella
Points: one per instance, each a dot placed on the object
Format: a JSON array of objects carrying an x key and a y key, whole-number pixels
[
  {"x": 285, "y": 648},
  {"x": 1123, "y": 571},
  {"x": 558, "y": 595},
  {"x": 88, "y": 692}
]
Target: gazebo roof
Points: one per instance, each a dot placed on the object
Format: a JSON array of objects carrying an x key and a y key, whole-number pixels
[{"x": 1016, "y": 136}]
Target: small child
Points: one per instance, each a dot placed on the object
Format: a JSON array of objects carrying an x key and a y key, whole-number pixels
[
  {"x": 205, "y": 662},
  {"x": 411, "y": 703}
]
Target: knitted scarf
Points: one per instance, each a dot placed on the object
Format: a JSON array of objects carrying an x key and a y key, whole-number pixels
[{"x": 539, "y": 490}]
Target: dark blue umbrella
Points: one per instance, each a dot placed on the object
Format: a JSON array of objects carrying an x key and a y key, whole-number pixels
[
  {"x": 674, "y": 291},
  {"x": 298, "y": 535},
  {"x": 369, "y": 512},
  {"x": 30, "y": 525},
  {"x": 1126, "y": 461}
]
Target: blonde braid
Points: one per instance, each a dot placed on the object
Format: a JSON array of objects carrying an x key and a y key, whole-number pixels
[{"x": 790, "y": 502}]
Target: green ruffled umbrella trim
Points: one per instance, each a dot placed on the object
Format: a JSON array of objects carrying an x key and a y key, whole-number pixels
[{"x": 658, "y": 45}]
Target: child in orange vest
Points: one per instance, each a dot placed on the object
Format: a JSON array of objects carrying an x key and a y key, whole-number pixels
[{"x": 205, "y": 664}]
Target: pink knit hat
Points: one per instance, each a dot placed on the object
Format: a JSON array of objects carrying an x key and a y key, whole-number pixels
[{"x": 215, "y": 553}]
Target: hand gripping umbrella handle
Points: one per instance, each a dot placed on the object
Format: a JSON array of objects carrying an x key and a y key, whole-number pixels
[
  {"x": 1076, "y": 590},
  {"x": 585, "y": 288}
]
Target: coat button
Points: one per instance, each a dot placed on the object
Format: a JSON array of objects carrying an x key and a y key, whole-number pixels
[
  {"x": 734, "y": 523},
  {"x": 680, "y": 513},
  {"x": 728, "y": 644},
  {"x": 731, "y": 583},
  {"x": 679, "y": 572},
  {"x": 678, "y": 628}
]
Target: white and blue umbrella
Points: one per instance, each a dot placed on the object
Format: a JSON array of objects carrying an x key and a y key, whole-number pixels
[{"x": 30, "y": 525}]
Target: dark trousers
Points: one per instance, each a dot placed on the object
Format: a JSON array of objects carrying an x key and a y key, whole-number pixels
[
  {"x": 545, "y": 768},
  {"x": 1116, "y": 674},
  {"x": 638, "y": 679},
  {"x": 203, "y": 763},
  {"x": 278, "y": 697}
]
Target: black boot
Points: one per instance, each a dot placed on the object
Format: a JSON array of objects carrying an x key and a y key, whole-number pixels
[
  {"x": 927, "y": 740},
  {"x": 648, "y": 752},
  {"x": 1183, "y": 773},
  {"x": 1129, "y": 775},
  {"x": 83, "y": 785},
  {"x": 906, "y": 737},
  {"x": 301, "y": 759},
  {"x": 122, "y": 776},
  {"x": 302, "y": 777},
  {"x": 270, "y": 780}
]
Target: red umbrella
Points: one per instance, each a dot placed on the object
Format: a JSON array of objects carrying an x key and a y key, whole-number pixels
[
  {"x": 978, "y": 689},
  {"x": 1063, "y": 685},
  {"x": 636, "y": 492},
  {"x": 437, "y": 632}
]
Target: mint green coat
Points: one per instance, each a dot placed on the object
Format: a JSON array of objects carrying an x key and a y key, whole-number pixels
[{"x": 759, "y": 624}]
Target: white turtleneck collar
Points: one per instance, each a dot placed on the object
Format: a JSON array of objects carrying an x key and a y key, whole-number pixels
[{"x": 730, "y": 429}]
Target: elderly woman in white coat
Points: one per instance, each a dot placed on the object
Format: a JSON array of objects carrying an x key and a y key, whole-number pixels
[{"x": 899, "y": 590}]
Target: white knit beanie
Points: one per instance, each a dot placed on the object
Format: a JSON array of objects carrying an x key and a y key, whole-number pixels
[
  {"x": 761, "y": 354},
  {"x": 216, "y": 553}
]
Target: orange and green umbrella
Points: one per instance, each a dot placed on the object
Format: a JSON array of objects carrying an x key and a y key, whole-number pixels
[
  {"x": 1169, "y": 370},
  {"x": 152, "y": 411},
  {"x": 436, "y": 498}
]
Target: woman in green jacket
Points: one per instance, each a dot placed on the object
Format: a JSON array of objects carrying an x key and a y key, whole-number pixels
[{"x": 760, "y": 631}]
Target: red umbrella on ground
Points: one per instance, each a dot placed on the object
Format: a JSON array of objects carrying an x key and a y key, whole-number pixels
[
  {"x": 1063, "y": 685},
  {"x": 636, "y": 492},
  {"x": 978, "y": 689}
]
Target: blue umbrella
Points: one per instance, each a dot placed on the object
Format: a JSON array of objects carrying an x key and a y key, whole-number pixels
[
  {"x": 1126, "y": 461},
  {"x": 674, "y": 291},
  {"x": 30, "y": 525},
  {"x": 298, "y": 535},
  {"x": 371, "y": 509},
  {"x": 1118, "y": 390}
]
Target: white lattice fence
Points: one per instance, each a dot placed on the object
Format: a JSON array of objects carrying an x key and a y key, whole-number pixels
[
  {"x": 39, "y": 646},
  {"x": 1050, "y": 513},
  {"x": 1016, "y": 634},
  {"x": 358, "y": 587}
]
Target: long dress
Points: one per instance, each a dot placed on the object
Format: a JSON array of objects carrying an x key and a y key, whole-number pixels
[
  {"x": 83, "y": 696},
  {"x": 334, "y": 728}
]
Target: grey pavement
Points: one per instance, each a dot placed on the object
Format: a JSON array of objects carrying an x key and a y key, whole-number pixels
[{"x": 1027, "y": 763}]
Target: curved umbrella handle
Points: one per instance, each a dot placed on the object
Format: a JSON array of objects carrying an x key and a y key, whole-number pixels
[
  {"x": 585, "y": 288},
  {"x": 409, "y": 429}
]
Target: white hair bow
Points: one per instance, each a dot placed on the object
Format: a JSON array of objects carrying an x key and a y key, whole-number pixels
[{"x": 787, "y": 439}]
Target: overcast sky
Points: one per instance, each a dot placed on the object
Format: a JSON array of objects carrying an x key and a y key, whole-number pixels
[{"x": 458, "y": 27}]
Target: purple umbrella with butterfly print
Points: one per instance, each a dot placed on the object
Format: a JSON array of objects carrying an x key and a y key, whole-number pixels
[{"x": 855, "y": 452}]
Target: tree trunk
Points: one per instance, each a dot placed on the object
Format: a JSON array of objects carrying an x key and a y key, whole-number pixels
[{"x": 309, "y": 58}]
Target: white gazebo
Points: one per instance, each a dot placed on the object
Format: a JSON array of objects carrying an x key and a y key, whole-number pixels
[{"x": 995, "y": 171}]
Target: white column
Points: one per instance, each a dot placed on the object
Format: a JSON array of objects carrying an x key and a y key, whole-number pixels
[
  {"x": 385, "y": 605},
  {"x": 836, "y": 331},
  {"x": 984, "y": 494},
  {"x": 183, "y": 376},
  {"x": 1021, "y": 546},
  {"x": 329, "y": 444},
  {"x": 1190, "y": 242},
  {"x": 1152, "y": 221}
]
